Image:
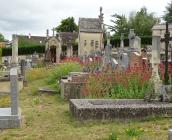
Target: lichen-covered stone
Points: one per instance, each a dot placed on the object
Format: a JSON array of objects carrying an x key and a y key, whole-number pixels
[{"x": 101, "y": 109}]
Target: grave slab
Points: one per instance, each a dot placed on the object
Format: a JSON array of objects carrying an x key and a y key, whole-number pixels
[{"x": 124, "y": 109}]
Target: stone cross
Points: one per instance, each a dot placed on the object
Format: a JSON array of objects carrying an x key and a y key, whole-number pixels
[
  {"x": 108, "y": 38},
  {"x": 14, "y": 61},
  {"x": 47, "y": 33},
  {"x": 108, "y": 50},
  {"x": 166, "y": 39},
  {"x": 131, "y": 38},
  {"x": 53, "y": 31},
  {"x": 122, "y": 41}
]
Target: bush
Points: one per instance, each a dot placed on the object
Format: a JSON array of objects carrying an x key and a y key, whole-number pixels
[
  {"x": 62, "y": 70},
  {"x": 129, "y": 84}
]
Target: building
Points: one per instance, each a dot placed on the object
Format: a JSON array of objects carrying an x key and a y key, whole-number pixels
[
  {"x": 60, "y": 46},
  {"x": 90, "y": 35}
]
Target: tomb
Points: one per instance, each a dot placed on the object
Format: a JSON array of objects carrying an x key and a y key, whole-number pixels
[
  {"x": 123, "y": 109},
  {"x": 71, "y": 86}
]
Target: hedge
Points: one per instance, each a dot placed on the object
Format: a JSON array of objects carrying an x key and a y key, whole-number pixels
[
  {"x": 24, "y": 50},
  {"x": 145, "y": 40}
]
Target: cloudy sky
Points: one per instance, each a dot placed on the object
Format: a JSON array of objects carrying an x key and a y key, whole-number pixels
[{"x": 35, "y": 16}]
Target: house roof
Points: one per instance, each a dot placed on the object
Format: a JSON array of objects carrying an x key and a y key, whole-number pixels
[
  {"x": 90, "y": 25},
  {"x": 25, "y": 40},
  {"x": 161, "y": 27}
]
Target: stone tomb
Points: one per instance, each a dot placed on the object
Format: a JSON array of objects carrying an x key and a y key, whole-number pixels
[
  {"x": 124, "y": 109},
  {"x": 71, "y": 86},
  {"x": 11, "y": 117}
]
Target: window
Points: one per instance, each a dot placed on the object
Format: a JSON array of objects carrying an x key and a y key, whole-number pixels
[
  {"x": 85, "y": 42},
  {"x": 96, "y": 44},
  {"x": 92, "y": 43}
]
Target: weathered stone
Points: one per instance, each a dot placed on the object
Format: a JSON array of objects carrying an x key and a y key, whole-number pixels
[
  {"x": 170, "y": 134},
  {"x": 125, "y": 109},
  {"x": 11, "y": 117},
  {"x": 14, "y": 61},
  {"x": 166, "y": 93},
  {"x": 71, "y": 90}
]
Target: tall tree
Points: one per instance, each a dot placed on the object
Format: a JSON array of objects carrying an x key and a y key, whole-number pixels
[
  {"x": 168, "y": 13},
  {"x": 67, "y": 25},
  {"x": 142, "y": 22},
  {"x": 120, "y": 24},
  {"x": 1, "y": 37}
]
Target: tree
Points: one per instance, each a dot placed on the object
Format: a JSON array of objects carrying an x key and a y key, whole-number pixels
[
  {"x": 168, "y": 13},
  {"x": 67, "y": 25},
  {"x": 1, "y": 37},
  {"x": 120, "y": 24},
  {"x": 142, "y": 22}
]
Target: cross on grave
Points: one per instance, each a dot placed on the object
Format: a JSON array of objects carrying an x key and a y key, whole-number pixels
[
  {"x": 53, "y": 31},
  {"x": 166, "y": 39},
  {"x": 131, "y": 37}
]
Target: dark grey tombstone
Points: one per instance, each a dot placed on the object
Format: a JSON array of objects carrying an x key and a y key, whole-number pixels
[{"x": 23, "y": 72}]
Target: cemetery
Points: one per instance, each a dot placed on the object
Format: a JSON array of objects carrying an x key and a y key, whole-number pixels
[{"x": 81, "y": 85}]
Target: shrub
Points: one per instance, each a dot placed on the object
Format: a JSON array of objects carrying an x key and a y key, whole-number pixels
[
  {"x": 113, "y": 136},
  {"x": 132, "y": 83},
  {"x": 62, "y": 70},
  {"x": 134, "y": 132}
]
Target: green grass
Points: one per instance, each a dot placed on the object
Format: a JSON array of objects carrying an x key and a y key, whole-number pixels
[{"x": 47, "y": 117}]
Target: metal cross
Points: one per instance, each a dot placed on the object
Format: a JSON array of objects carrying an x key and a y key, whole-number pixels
[{"x": 166, "y": 39}]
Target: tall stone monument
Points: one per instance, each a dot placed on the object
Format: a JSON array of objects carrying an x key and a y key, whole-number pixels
[
  {"x": 107, "y": 53},
  {"x": 14, "y": 60},
  {"x": 11, "y": 117},
  {"x": 155, "y": 63}
]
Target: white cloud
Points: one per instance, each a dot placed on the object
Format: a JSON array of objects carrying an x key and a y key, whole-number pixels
[{"x": 35, "y": 16}]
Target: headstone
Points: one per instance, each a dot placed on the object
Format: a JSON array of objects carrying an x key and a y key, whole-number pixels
[
  {"x": 69, "y": 51},
  {"x": 114, "y": 63},
  {"x": 108, "y": 50},
  {"x": 23, "y": 72},
  {"x": 155, "y": 63},
  {"x": 122, "y": 41},
  {"x": 11, "y": 117},
  {"x": 131, "y": 38},
  {"x": 35, "y": 59},
  {"x": 28, "y": 63},
  {"x": 14, "y": 61},
  {"x": 134, "y": 41},
  {"x": 125, "y": 60}
]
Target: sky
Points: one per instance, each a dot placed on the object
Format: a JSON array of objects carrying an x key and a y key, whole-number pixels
[{"x": 36, "y": 16}]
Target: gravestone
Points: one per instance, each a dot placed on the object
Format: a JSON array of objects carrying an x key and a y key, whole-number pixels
[
  {"x": 134, "y": 42},
  {"x": 107, "y": 54},
  {"x": 125, "y": 60},
  {"x": 35, "y": 59},
  {"x": 23, "y": 71},
  {"x": 122, "y": 41},
  {"x": 155, "y": 63},
  {"x": 11, "y": 117}
]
